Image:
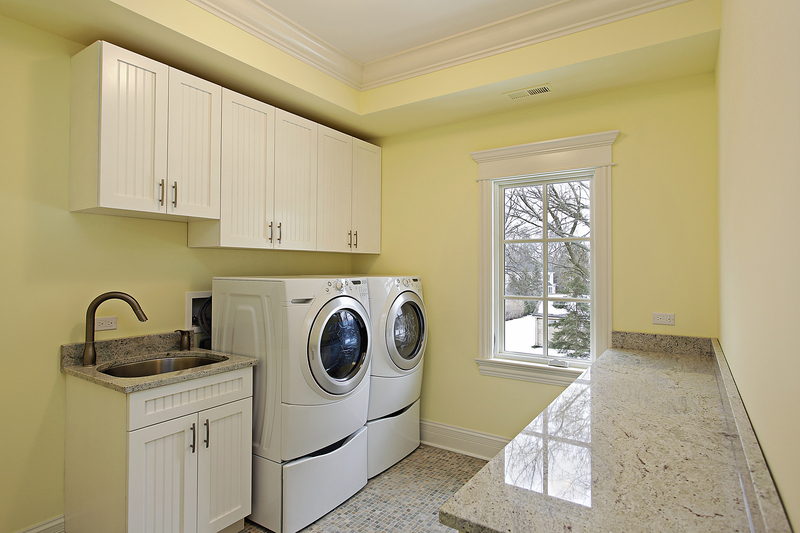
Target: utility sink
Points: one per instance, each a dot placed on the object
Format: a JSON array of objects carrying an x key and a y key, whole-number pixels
[{"x": 161, "y": 365}]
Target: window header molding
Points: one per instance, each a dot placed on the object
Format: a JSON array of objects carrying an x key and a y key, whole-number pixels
[{"x": 582, "y": 151}]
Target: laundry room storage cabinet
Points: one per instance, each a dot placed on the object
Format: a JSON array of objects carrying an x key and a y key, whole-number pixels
[
  {"x": 144, "y": 137},
  {"x": 349, "y": 198},
  {"x": 247, "y": 192},
  {"x": 171, "y": 458}
]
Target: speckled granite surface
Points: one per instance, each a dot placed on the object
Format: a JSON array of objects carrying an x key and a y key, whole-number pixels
[
  {"x": 130, "y": 349},
  {"x": 647, "y": 342},
  {"x": 639, "y": 442}
]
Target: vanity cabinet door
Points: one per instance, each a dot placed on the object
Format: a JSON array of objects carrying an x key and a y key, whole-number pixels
[
  {"x": 224, "y": 465},
  {"x": 162, "y": 477},
  {"x": 194, "y": 146},
  {"x": 295, "y": 182}
]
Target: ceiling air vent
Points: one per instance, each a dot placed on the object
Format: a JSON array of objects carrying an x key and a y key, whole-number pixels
[{"x": 530, "y": 91}]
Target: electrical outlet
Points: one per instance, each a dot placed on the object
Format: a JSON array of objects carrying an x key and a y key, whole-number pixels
[
  {"x": 105, "y": 322},
  {"x": 664, "y": 319}
]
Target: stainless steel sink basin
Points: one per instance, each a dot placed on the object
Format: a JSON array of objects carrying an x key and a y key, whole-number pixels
[{"x": 161, "y": 365}]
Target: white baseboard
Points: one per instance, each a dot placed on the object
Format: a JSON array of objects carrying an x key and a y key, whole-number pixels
[
  {"x": 56, "y": 525},
  {"x": 460, "y": 440}
]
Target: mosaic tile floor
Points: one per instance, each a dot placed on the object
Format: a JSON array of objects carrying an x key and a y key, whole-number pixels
[{"x": 406, "y": 498}]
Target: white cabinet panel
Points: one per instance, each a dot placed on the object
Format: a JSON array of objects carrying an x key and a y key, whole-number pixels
[
  {"x": 247, "y": 192},
  {"x": 194, "y": 145},
  {"x": 366, "y": 197},
  {"x": 334, "y": 195},
  {"x": 295, "y": 182},
  {"x": 162, "y": 477},
  {"x": 224, "y": 466}
]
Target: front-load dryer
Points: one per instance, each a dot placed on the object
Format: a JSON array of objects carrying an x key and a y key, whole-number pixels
[
  {"x": 400, "y": 333},
  {"x": 313, "y": 340}
]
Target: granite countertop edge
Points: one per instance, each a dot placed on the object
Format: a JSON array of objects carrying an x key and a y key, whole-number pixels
[{"x": 115, "y": 352}]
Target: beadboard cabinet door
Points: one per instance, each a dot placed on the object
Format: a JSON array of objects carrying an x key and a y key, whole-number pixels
[
  {"x": 247, "y": 191},
  {"x": 295, "y": 182},
  {"x": 194, "y": 145},
  {"x": 118, "y": 130},
  {"x": 335, "y": 191},
  {"x": 366, "y": 197},
  {"x": 162, "y": 477},
  {"x": 224, "y": 465}
]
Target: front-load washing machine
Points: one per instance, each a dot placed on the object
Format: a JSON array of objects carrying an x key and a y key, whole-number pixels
[
  {"x": 313, "y": 340},
  {"x": 400, "y": 333}
]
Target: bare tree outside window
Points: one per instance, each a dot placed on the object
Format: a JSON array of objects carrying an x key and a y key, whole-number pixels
[{"x": 546, "y": 263}]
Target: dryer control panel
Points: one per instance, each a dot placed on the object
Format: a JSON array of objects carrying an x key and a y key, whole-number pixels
[
  {"x": 414, "y": 284},
  {"x": 355, "y": 287}
]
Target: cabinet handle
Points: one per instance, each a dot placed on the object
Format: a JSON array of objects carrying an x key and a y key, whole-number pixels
[
  {"x": 208, "y": 433},
  {"x": 355, "y": 235},
  {"x": 270, "y": 232},
  {"x": 350, "y": 238},
  {"x": 161, "y": 193},
  {"x": 280, "y": 231},
  {"x": 193, "y": 437},
  {"x": 174, "y": 194}
]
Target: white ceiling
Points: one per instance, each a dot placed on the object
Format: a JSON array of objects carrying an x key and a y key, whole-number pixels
[{"x": 367, "y": 30}]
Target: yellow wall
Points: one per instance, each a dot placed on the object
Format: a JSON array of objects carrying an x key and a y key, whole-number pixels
[
  {"x": 759, "y": 145},
  {"x": 664, "y": 231},
  {"x": 55, "y": 262}
]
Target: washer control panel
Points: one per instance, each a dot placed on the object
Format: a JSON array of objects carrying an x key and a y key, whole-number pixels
[
  {"x": 355, "y": 287},
  {"x": 408, "y": 283}
]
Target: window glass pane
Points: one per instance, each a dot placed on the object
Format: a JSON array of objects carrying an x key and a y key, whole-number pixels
[
  {"x": 523, "y": 269},
  {"x": 523, "y": 327},
  {"x": 568, "y": 209},
  {"x": 568, "y": 269},
  {"x": 569, "y": 330},
  {"x": 524, "y": 211}
]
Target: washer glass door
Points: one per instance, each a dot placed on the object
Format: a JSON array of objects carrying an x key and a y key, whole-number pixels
[
  {"x": 339, "y": 345},
  {"x": 406, "y": 331}
]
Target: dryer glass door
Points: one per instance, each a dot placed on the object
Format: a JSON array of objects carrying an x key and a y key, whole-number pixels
[
  {"x": 406, "y": 331},
  {"x": 339, "y": 347}
]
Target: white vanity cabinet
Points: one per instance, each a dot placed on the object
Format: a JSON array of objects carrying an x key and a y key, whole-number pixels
[
  {"x": 144, "y": 137},
  {"x": 175, "y": 458},
  {"x": 349, "y": 194}
]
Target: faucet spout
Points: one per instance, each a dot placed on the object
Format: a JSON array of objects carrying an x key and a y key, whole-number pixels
[{"x": 89, "y": 354}]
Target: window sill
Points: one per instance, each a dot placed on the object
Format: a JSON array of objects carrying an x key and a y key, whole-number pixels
[{"x": 535, "y": 372}]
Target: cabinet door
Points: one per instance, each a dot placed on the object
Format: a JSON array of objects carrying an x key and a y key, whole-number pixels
[
  {"x": 295, "y": 182},
  {"x": 334, "y": 191},
  {"x": 224, "y": 467},
  {"x": 194, "y": 146},
  {"x": 366, "y": 197},
  {"x": 133, "y": 130},
  {"x": 162, "y": 477},
  {"x": 248, "y": 172}
]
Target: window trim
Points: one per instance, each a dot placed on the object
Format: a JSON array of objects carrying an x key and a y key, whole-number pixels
[{"x": 584, "y": 152}]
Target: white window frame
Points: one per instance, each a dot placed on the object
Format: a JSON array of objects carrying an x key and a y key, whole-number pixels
[{"x": 582, "y": 153}]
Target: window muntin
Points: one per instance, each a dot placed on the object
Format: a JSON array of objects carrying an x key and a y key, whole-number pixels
[{"x": 542, "y": 250}]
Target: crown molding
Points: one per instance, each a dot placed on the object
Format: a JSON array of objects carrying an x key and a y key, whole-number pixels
[{"x": 558, "y": 19}]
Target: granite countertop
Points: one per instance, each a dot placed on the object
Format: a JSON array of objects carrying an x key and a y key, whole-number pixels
[
  {"x": 132, "y": 349},
  {"x": 641, "y": 441}
]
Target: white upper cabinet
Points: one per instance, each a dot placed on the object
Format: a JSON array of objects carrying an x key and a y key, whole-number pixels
[
  {"x": 366, "y": 197},
  {"x": 335, "y": 191},
  {"x": 144, "y": 138},
  {"x": 193, "y": 146},
  {"x": 295, "y": 182},
  {"x": 247, "y": 191},
  {"x": 349, "y": 198}
]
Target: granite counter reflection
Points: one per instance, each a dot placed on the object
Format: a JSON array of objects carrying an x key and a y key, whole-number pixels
[{"x": 639, "y": 442}]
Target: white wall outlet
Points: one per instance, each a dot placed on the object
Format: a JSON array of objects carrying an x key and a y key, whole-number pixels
[
  {"x": 105, "y": 322},
  {"x": 664, "y": 319}
]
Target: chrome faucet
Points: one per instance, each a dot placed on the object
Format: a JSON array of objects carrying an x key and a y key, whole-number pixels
[{"x": 89, "y": 355}]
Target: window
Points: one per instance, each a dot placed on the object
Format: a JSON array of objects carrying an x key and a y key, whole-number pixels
[{"x": 545, "y": 258}]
